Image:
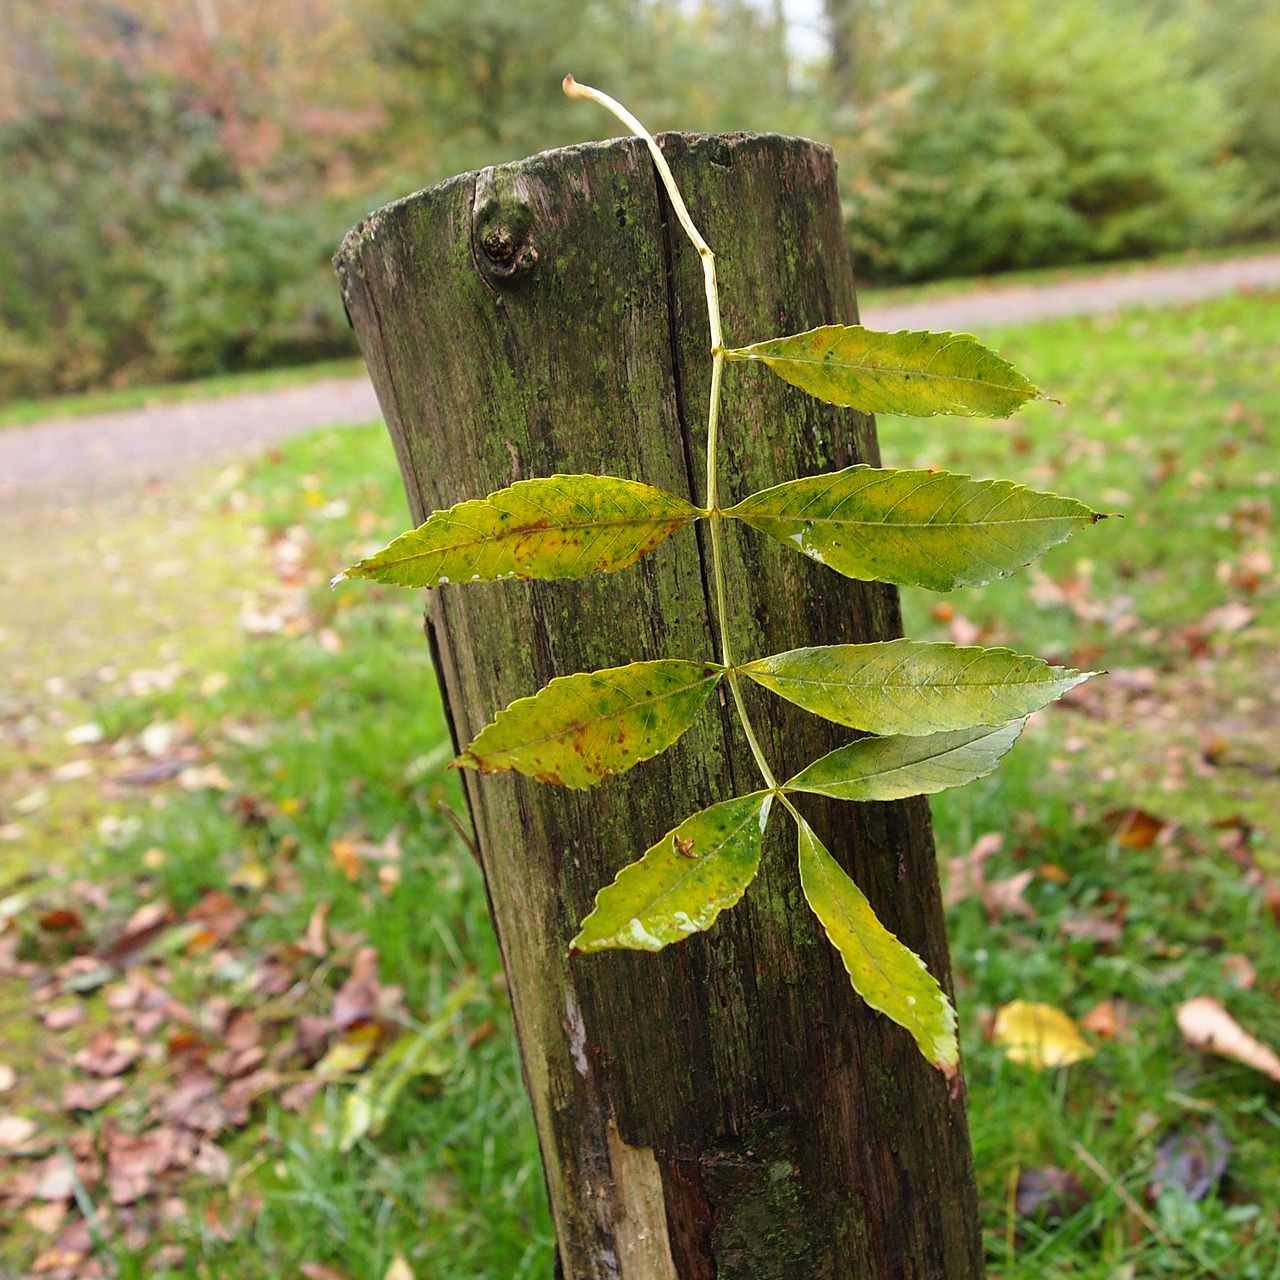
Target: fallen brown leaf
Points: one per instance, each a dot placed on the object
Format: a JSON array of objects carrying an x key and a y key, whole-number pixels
[
  {"x": 89, "y": 1095},
  {"x": 357, "y": 999},
  {"x": 193, "y": 1102},
  {"x": 1239, "y": 969},
  {"x": 346, "y": 853},
  {"x": 212, "y": 1162},
  {"x": 62, "y": 1016},
  {"x": 1205, "y": 1024},
  {"x": 1194, "y": 1161},
  {"x": 105, "y": 1055},
  {"x": 1135, "y": 828},
  {"x": 1091, "y": 928},
  {"x": 1048, "y": 1194},
  {"x": 1104, "y": 1020},
  {"x": 219, "y": 915},
  {"x": 45, "y": 1218},
  {"x": 62, "y": 920},
  {"x": 965, "y": 874},
  {"x": 315, "y": 942},
  {"x": 1003, "y": 897},
  {"x": 144, "y": 926},
  {"x": 1228, "y": 618},
  {"x": 16, "y": 1132},
  {"x": 318, "y": 1271}
]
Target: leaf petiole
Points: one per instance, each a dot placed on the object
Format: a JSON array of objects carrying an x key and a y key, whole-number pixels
[{"x": 715, "y": 517}]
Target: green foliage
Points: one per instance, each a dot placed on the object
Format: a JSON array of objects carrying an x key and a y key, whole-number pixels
[
  {"x": 1001, "y": 134},
  {"x": 902, "y": 686},
  {"x": 474, "y": 75},
  {"x": 914, "y": 528},
  {"x": 560, "y": 527},
  {"x": 889, "y": 976},
  {"x": 1236, "y": 43},
  {"x": 154, "y": 219},
  {"x": 683, "y": 882},
  {"x": 583, "y": 727},
  {"x": 921, "y": 374}
]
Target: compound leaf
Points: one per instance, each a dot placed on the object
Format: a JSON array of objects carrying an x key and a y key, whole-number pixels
[
  {"x": 916, "y": 528},
  {"x": 558, "y": 527},
  {"x": 581, "y": 728},
  {"x": 920, "y": 374},
  {"x": 908, "y": 687},
  {"x": 889, "y": 976},
  {"x": 683, "y": 882},
  {"x": 898, "y": 766}
]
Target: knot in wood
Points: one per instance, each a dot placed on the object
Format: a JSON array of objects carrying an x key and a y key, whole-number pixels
[{"x": 502, "y": 226}]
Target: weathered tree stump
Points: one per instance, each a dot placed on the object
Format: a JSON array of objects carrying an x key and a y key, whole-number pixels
[{"x": 728, "y": 1107}]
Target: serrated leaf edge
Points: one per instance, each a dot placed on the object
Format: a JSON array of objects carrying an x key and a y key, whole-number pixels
[
  {"x": 945, "y": 1054},
  {"x": 364, "y": 568},
  {"x": 1028, "y": 390},
  {"x": 791, "y": 789},
  {"x": 466, "y": 760},
  {"x": 1066, "y": 676}
]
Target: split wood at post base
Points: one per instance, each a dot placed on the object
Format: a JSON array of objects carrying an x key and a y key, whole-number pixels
[{"x": 728, "y": 1107}]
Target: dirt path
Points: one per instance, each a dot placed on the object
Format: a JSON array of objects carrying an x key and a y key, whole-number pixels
[
  {"x": 57, "y": 463},
  {"x": 1015, "y": 304}
]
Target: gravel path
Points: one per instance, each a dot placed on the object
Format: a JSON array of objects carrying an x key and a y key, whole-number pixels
[
  {"x": 94, "y": 458},
  {"x": 1014, "y": 304}
]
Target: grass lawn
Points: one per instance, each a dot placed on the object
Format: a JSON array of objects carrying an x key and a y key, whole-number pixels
[{"x": 302, "y": 763}]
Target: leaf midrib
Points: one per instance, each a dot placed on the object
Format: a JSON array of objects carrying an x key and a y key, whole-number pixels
[
  {"x": 991, "y": 732},
  {"x": 899, "y": 524},
  {"x": 889, "y": 370},
  {"x": 698, "y": 864},
  {"x": 542, "y": 528},
  {"x": 569, "y": 729}
]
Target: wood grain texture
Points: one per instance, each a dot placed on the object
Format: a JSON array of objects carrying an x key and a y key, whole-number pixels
[{"x": 548, "y": 316}]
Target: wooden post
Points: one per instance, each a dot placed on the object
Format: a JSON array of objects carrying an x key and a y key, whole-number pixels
[{"x": 728, "y": 1107}]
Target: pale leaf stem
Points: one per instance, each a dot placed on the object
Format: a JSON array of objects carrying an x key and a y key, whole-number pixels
[{"x": 715, "y": 517}]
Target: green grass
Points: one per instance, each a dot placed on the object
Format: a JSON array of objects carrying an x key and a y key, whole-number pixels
[
  {"x": 1169, "y": 416},
  {"x": 22, "y": 412}
]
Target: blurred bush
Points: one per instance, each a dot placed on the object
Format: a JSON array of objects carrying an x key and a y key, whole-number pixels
[
  {"x": 1003, "y": 134},
  {"x": 174, "y": 183},
  {"x": 1238, "y": 45},
  {"x": 175, "y": 177}
]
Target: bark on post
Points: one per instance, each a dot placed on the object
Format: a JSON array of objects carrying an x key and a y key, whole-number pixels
[{"x": 727, "y": 1108}]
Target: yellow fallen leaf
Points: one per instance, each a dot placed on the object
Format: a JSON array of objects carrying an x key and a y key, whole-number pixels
[
  {"x": 1038, "y": 1035},
  {"x": 346, "y": 853},
  {"x": 351, "y": 1051},
  {"x": 1207, "y": 1025},
  {"x": 399, "y": 1269},
  {"x": 250, "y": 874}
]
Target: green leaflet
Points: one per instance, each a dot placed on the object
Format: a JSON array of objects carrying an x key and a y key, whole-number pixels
[
  {"x": 919, "y": 374},
  {"x": 581, "y": 728},
  {"x": 915, "y": 528},
  {"x": 889, "y": 976},
  {"x": 908, "y": 687},
  {"x": 683, "y": 882},
  {"x": 559, "y": 527},
  {"x": 891, "y": 768}
]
